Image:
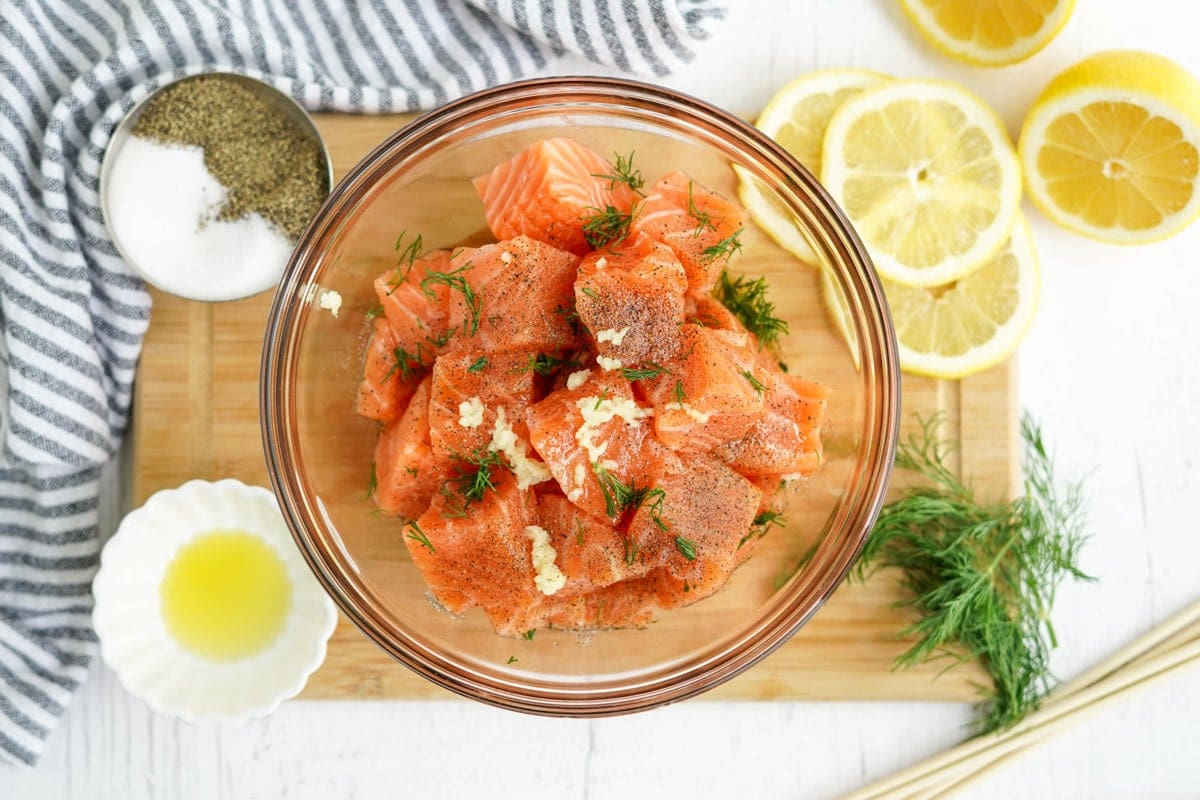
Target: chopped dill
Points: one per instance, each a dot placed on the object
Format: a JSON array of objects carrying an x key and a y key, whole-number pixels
[
  {"x": 528, "y": 635},
  {"x": 590, "y": 292},
  {"x": 456, "y": 280},
  {"x": 704, "y": 220},
  {"x": 686, "y": 548},
  {"x": 647, "y": 371},
  {"x": 619, "y": 498},
  {"x": 512, "y": 660},
  {"x": 623, "y": 172},
  {"x": 723, "y": 249},
  {"x": 747, "y": 300},
  {"x": 600, "y": 398},
  {"x": 754, "y": 382},
  {"x": 372, "y": 482},
  {"x": 471, "y": 484},
  {"x": 418, "y": 535},
  {"x": 412, "y": 471},
  {"x": 631, "y": 552},
  {"x": 375, "y": 311},
  {"x": 579, "y": 531},
  {"x": 406, "y": 254},
  {"x": 982, "y": 576},
  {"x": 443, "y": 339},
  {"x": 678, "y": 393},
  {"x": 478, "y": 365},
  {"x": 761, "y": 524},
  {"x": 407, "y": 363},
  {"x": 544, "y": 364},
  {"x": 607, "y": 227}
]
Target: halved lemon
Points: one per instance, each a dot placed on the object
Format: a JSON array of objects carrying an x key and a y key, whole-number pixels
[
  {"x": 926, "y": 172},
  {"x": 1111, "y": 148},
  {"x": 989, "y": 32},
  {"x": 959, "y": 329},
  {"x": 796, "y": 118}
]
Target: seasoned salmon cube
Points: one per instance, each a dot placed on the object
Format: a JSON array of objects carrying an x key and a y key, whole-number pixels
[
  {"x": 407, "y": 473},
  {"x": 591, "y": 552},
  {"x": 481, "y": 556},
  {"x": 632, "y": 301},
  {"x": 591, "y": 423},
  {"x": 467, "y": 393},
  {"x": 691, "y": 522},
  {"x": 709, "y": 396},
  {"x": 699, "y": 225},
  {"x": 786, "y": 439},
  {"x": 629, "y": 604},
  {"x": 416, "y": 306},
  {"x": 512, "y": 295},
  {"x": 547, "y": 192},
  {"x": 385, "y": 389}
]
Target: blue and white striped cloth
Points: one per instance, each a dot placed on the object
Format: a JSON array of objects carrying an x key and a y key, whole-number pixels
[{"x": 72, "y": 313}]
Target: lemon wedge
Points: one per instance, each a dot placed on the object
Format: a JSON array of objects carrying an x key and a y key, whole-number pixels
[
  {"x": 959, "y": 329},
  {"x": 989, "y": 32},
  {"x": 796, "y": 118},
  {"x": 926, "y": 172},
  {"x": 1111, "y": 147}
]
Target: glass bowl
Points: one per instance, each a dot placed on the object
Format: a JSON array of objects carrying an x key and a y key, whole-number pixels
[{"x": 319, "y": 452}]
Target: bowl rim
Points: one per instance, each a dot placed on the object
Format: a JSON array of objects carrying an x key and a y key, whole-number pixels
[{"x": 682, "y": 679}]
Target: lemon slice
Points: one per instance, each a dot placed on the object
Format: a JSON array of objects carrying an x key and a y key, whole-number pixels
[
  {"x": 796, "y": 118},
  {"x": 989, "y": 32},
  {"x": 928, "y": 176},
  {"x": 959, "y": 329},
  {"x": 1110, "y": 147}
]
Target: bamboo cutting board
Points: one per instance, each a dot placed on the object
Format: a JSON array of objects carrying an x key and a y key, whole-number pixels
[{"x": 196, "y": 416}]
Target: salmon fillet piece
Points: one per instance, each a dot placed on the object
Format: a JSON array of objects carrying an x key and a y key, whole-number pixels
[
  {"x": 384, "y": 391},
  {"x": 592, "y": 553},
  {"x": 632, "y": 301},
  {"x": 512, "y": 295},
  {"x": 416, "y": 306},
  {"x": 629, "y": 604},
  {"x": 786, "y": 439},
  {"x": 468, "y": 390},
  {"x": 697, "y": 224},
  {"x": 407, "y": 472},
  {"x": 547, "y": 191}
]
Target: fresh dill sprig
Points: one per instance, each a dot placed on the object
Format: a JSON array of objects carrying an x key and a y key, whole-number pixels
[
  {"x": 406, "y": 254},
  {"x": 372, "y": 482},
  {"x": 704, "y": 220},
  {"x": 623, "y": 172},
  {"x": 644, "y": 372},
  {"x": 754, "y": 382},
  {"x": 686, "y": 548},
  {"x": 418, "y": 535},
  {"x": 723, "y": 249},
  {"x": 747, "y": 300},
  {"x": 678, "y": 393},
  {"x": 607, "y": 227},
  {"x": 544, "y": 364},
  {"x": 590, "y": 292},
  {"x": 469, "y": 485},
  {"x": 478, "y": 364},
  {"x": 619, "y": 498},
  {"x": 528, "y": 635},
  {"x": 981, "y": 576},
  {"x": 761, "y": 524},
  {"x": 407, "y": 363},
  {"x": 456, "y": 280},
  {"x": 375, "y": 311}
]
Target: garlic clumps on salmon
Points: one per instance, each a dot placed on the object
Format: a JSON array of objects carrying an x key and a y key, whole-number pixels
[
  {"x": 505, "y": 441},
  {"x": 470, "y": 412},
  {"x": 596, "y": 411},
  {"x": 549, "y": 578}
]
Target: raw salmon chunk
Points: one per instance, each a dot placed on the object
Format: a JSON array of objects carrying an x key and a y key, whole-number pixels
[
  {"x": 592, "y": 553},
  {"x": 481, "y": 557},
  {"x": 592, "y": 421},
  {"x": 415, "y": 306},
  {"x": 691, "y": 522},
  {"x": 786, "y": 439},
  {"x": 632, "y": 301},
  {"x": 385, "y": 389},
  {"x": 699, "y": 225},
  {"x": 547, "y": 191},
  {"x": 628, "y": 604},
  {"x": 708, "y": 396},
  {"x": 512, "y": 295},
  {"x": 407, "y": 473},
  {"x": 467, "y": 393}
]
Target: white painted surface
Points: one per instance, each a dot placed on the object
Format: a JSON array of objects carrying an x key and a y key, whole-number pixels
[{"x": 1111, "y": 368}]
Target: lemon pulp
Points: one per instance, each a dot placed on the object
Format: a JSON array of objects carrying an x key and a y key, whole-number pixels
[{"x": 226, "y": 595}]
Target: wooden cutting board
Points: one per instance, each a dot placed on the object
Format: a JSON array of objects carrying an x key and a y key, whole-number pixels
[{"x": 196, "y": 416}]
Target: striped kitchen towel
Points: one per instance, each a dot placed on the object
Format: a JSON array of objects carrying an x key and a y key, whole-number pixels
[{"x": 72, "y": 313}]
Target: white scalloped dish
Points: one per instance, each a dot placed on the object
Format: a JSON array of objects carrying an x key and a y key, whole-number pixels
[{"x": 205, "y": 608}]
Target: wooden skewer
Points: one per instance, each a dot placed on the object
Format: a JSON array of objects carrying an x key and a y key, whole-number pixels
[{"x": 1167, "y": 646}]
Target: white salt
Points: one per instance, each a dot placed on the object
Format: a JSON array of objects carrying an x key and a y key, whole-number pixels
[{"x": 162, "y": 204}]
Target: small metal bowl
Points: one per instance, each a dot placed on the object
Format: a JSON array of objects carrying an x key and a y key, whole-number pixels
[{"x": 276, "y": 100}]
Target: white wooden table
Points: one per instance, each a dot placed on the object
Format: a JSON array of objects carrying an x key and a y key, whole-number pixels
[{"x": 1112, "y": 370}]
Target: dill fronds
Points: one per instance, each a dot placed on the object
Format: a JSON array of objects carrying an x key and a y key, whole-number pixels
[
  {"x": 982, "y": 577},
  {"x": 747, "y": 300},
  {"x": 607, "y": 227},
  {"x": 623, "y": 172}
]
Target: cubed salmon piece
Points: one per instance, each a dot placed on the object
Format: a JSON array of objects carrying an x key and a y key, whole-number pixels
[
  {"x": 708, "y": 396},
  {"x": 547, "y": 192},
  {"x": 699, "y": 225},
  {"x": 629, "y": 604},
  {"x": 632, "y": 301},
  {"x": 481, "y": 558},
  {"x": 407, "y": 473},
  {"x": 692, "y": 521},
  {"x": 591, "y": 552},
  {"x": 385, "y": 389},
  {"x": 786, "y": 439},
  {"x": 415, "y": 306},
  {"x": 593, "y": 420},
  {"x": 517, "y": 296},
  {"x": 467, "y": 392}
]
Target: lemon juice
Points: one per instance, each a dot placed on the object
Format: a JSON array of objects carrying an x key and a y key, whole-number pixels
[{"x": 226, "y": 595}]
